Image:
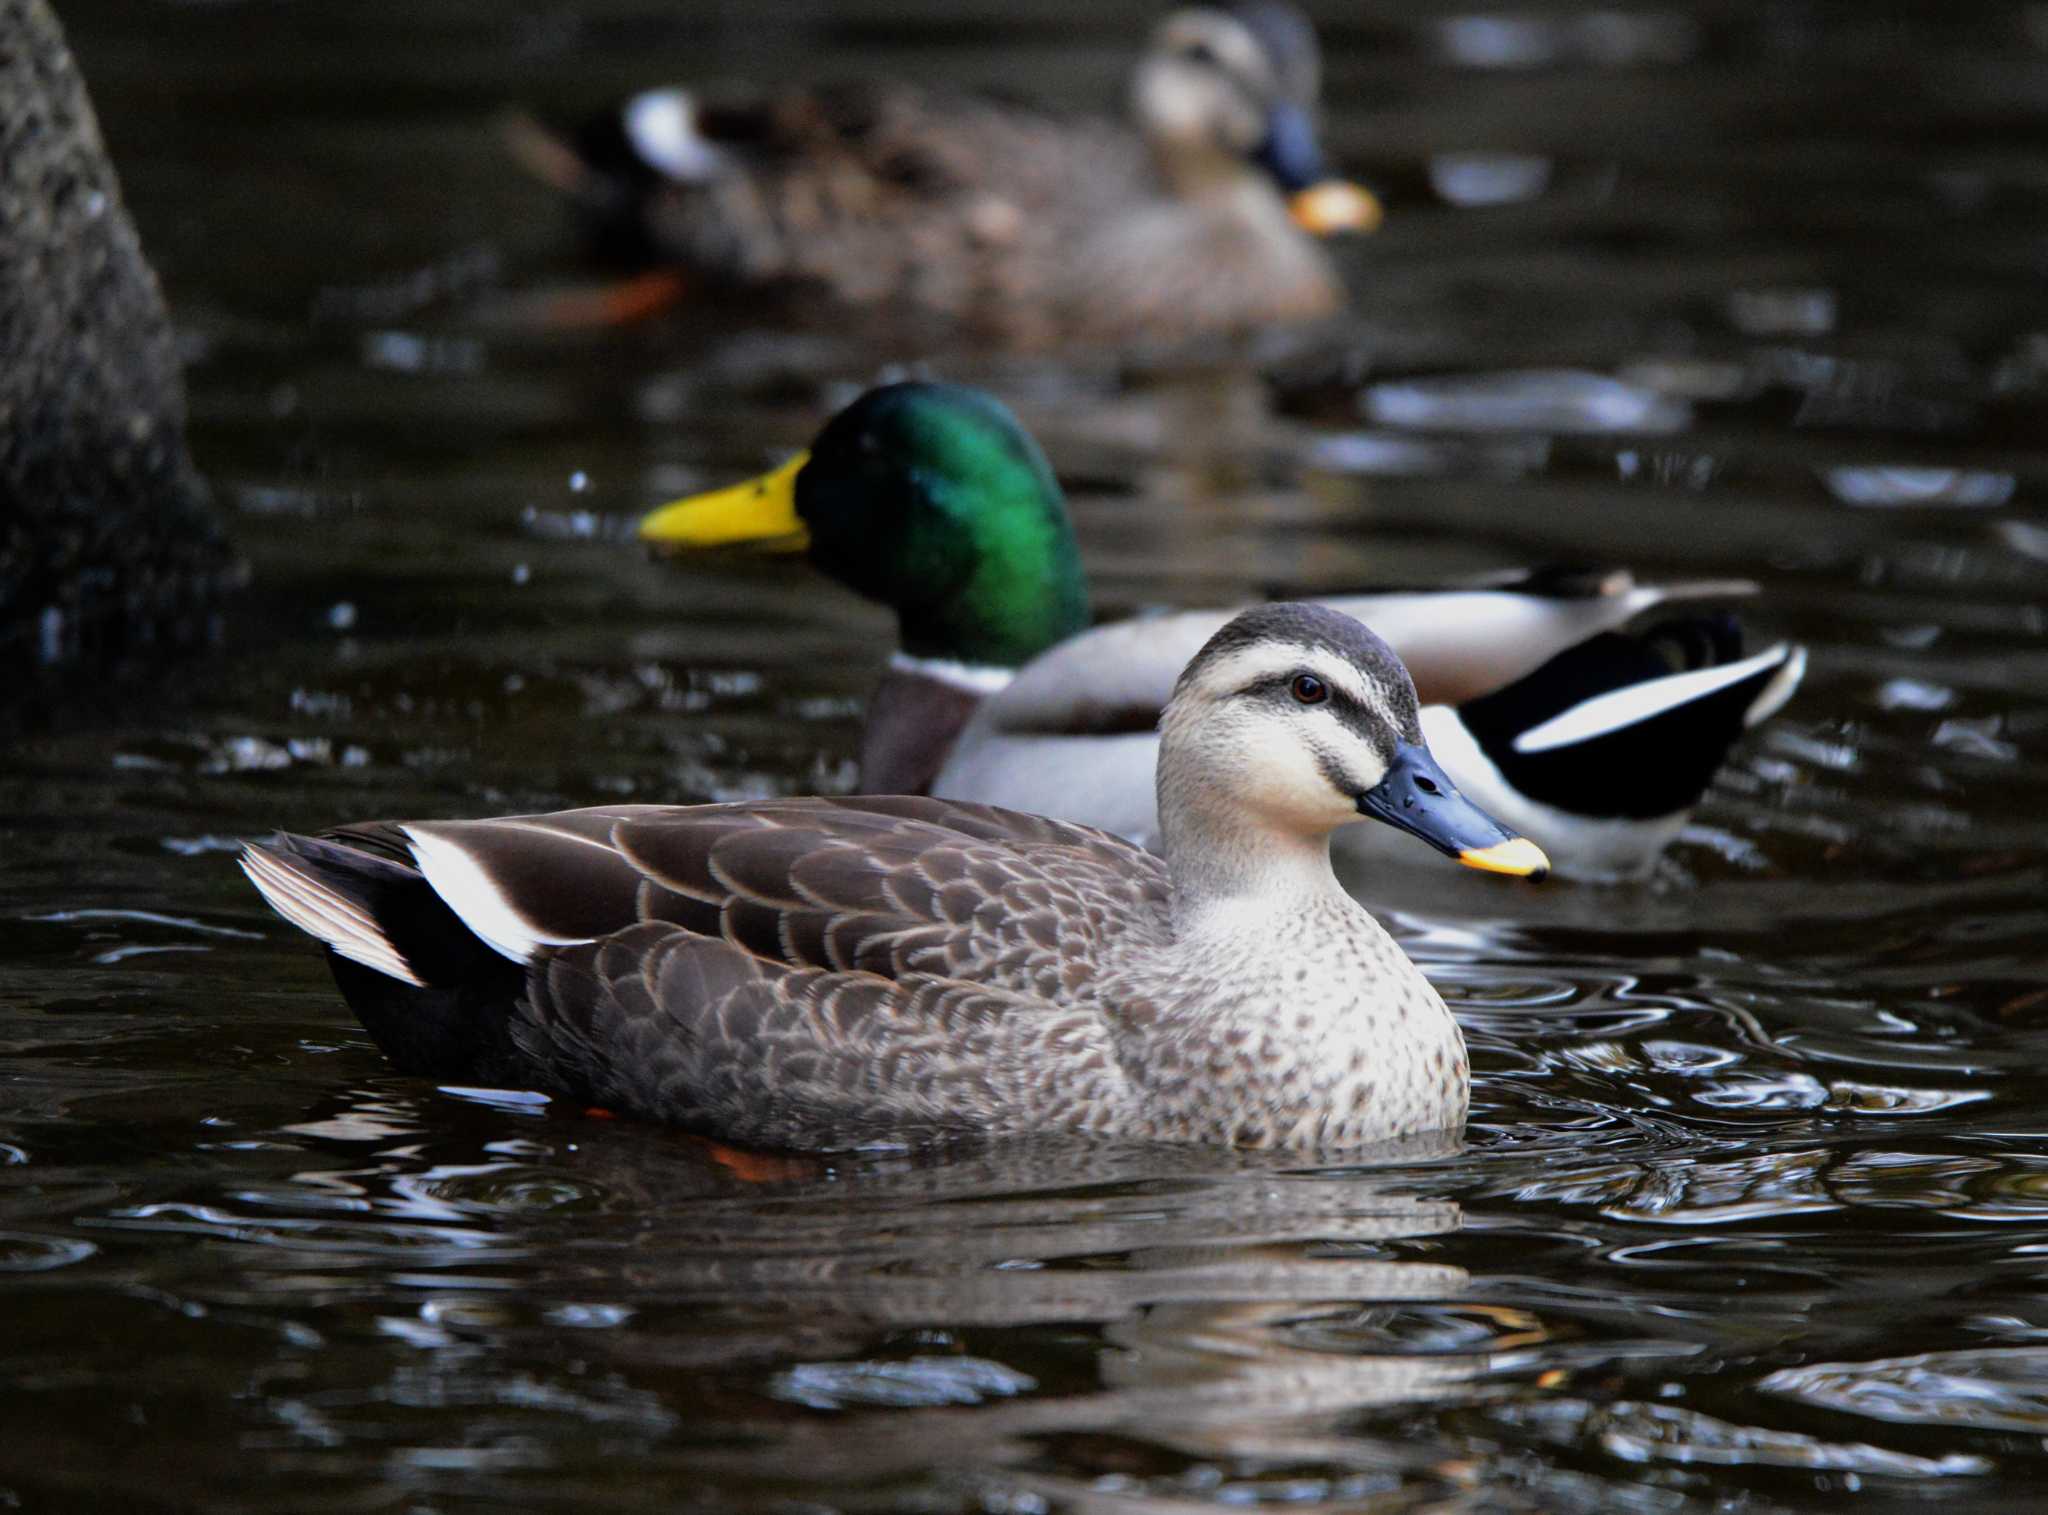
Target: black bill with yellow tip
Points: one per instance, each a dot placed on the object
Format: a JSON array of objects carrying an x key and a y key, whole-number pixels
[
  {"x": 1418, "y": 797},
  {"x": 1335, "y": 205},
  {"x": 1320, "y": 205},
  {"x": 760, "y": 512}
]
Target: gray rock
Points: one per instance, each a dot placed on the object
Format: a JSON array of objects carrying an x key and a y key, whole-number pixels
[{"x": 107, "y": 544}]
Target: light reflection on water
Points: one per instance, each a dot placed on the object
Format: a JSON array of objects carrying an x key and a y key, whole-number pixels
[{"x": 1752, "y": 1206}]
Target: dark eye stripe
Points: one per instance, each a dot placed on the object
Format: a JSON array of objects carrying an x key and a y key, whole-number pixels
[
  {"x": 1367, "y": 725},
  {"x": 1267, "y": 686},
  {"x": 1333, "y": 770}
]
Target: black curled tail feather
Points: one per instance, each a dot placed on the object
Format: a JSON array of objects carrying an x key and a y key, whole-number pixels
[
  {"x": 1708, "y": 640},
  {"x": 1640, "y": 766}
]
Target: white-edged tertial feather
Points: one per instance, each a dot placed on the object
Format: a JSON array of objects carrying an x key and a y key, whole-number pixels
[
  {"x": 467, "y": 887},
  {"x": 1605, "y": 714},
  {"x": 321, "y": 912}
]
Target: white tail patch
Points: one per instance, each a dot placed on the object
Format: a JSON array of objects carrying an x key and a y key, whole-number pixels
[
  {"x": 468, "y": 889},
  {"x": 301, "y": 898},
  {"x": 662, "y": 126},
  {"x": 1617, "y": 710}
]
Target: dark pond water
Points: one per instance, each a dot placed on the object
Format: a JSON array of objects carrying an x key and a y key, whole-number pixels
[{"x": 1753, "y": 1209}]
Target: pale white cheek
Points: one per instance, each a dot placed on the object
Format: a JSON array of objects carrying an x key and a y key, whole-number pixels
[
  {"x": 1165, "y": 101},
  {"x": 1177, "y": 103},
  {"x": 1291, "y": 782},
  {"x": 1364, "y": 765},
  {"x": 1298, "y": 785}
]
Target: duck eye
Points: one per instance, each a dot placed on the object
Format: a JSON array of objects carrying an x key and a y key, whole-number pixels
[{"x": 1309, "y": 689}]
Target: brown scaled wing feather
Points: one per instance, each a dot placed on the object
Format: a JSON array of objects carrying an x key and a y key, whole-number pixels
[{"x": 833, "y": 971}]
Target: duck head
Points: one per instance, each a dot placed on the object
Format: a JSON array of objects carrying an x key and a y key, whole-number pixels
[
  {"x": 1228, "y": 88},
  {"x": 1295, "y": 719},
  {"x": 929, "y": 498}
]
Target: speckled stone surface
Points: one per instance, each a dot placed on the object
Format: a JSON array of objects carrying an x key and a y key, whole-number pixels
[{"x": 106, "y": 543}]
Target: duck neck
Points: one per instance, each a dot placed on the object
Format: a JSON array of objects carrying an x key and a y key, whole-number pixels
[
  {"x": 915, "y": 715},
  {"x": 1203, "y": 175},
  {"x": 1229, "y": 869},
  {"x": 932, "y": 500},
  {"x": 1012, "y": 608},
  {"x": 1307, "y": 1026},
  {"x": 988, "y": 586}
]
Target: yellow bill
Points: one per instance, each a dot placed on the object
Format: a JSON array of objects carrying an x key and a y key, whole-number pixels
[
  {"x": 1335, "y": 205},
  {"x": 761, "y": 511},
  {"x": 1517, "y": 856}
]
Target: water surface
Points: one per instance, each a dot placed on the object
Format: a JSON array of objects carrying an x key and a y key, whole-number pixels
[{"x": 1753, "y": 1209}]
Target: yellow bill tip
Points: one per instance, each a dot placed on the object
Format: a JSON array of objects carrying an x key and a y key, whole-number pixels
[
  {"x": 1336, "y": 206},
  {"x": 1517, "y": 856},
  {"x": 760, "y": 511}
]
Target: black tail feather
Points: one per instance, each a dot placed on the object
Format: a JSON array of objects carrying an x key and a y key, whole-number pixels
[
  {"x": 1655, "y": 766},
  {"x": 456, "y": 1026}
]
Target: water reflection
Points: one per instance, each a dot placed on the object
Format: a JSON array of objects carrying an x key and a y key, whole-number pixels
[
  {"x": 1542, "y": 401},
  {"x": 1649, "y": 1433},
  {"x": 1898, "y": 485},
  {"x": 1218, "y": 1317},
  {"x": 1487, "y": 178},
  {"x": 2003, "y": 1389},
  {"x": 1753, "y": 1210}
]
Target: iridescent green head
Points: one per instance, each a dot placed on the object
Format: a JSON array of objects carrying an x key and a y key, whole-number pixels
[{"x": 929, "y": 498}]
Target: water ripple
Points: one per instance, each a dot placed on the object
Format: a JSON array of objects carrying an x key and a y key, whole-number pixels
[
  {"x": 913, "y": 1382},
  {"x": 1542, "y": 400},
  {"x": 1638, "y": 1432},
  {"x": 1996, "y": 1389},
  {"x": 25, "y": 1252}
]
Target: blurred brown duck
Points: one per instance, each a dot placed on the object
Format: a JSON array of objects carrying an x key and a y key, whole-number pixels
[{"x": 1030, "y": 229}]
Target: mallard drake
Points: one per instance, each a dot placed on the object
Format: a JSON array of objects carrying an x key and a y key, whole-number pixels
[
  {"x": 1028, "y": 228},
  {"x": 932, "y": 499},
  {"x": 820, "y": 973}
]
